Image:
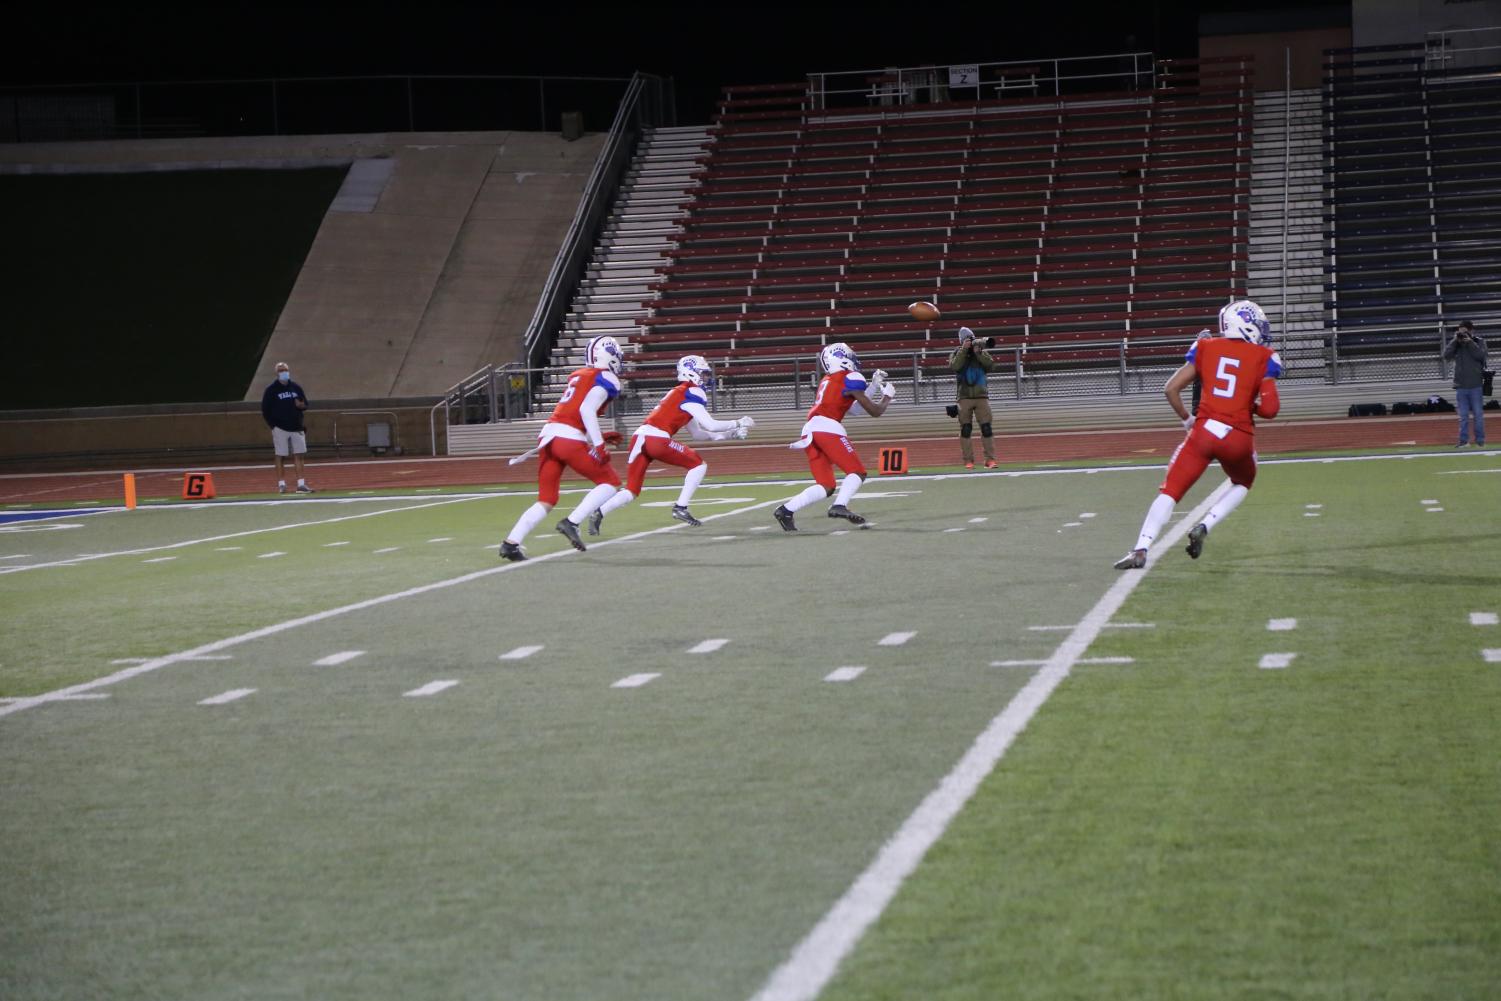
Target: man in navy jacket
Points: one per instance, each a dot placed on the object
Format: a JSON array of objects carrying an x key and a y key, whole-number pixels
[{"x": 282, "y": 405}]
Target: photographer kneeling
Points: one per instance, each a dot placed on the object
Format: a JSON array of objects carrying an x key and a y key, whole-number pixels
[{"x": 970, "y": 362}]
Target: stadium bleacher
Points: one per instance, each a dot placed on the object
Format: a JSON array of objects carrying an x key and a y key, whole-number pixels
[{"x": 1066, "y": 225}]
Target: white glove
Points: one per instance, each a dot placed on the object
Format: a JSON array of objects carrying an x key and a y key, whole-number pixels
[
  {"x": 878, "y": 376},
  {"x": 888, "y": 390},
  {"x": 746, "y": 423},
  {"x": 1188, "y": 422},
  {"x": 741, "y": 433}
]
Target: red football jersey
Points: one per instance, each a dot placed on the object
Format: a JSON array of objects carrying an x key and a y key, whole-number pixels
[
  {"x": 1232, "y": 371},
  {"x": 579, "y": 384},
  {"x": 669, "y": 415},
  {"x": 835, "y": 395}
]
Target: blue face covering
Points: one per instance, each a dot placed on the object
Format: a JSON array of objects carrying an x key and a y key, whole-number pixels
[{"x": 284, "y": 376}]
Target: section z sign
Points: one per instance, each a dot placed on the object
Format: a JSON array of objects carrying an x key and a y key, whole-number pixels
[{"x": 964, "y": 76}]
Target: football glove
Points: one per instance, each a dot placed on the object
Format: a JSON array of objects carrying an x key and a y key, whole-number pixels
[
  {"x": 747, "y": 423},
  {"x": 613, "y": 437},
  {"x": 1188, "y": 422},
  {"x": 599, "y": 455},
  {"x": 888, "y": 390},
  {"x": 741, "y": 433}
]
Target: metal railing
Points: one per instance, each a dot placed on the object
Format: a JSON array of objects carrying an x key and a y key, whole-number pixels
[
  {"x": 301, "y": 106},
  {"x": 1462, "y": 48},
  {"x": 643, "y": 106},
  {"x": 1042, "y": 78}
]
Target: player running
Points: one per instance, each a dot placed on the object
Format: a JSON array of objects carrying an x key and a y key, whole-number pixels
[
  {"x": 824, "y": 436},
  {"x": 684, "y": 405},
  {"x": 1239, "y": 373},
  {"x": 572, "y": 437}
]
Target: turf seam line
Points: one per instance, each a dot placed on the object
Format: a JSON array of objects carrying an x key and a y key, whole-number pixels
[
  {"x": 280, "y": 627},
  {"x": 814, "y": 960}
]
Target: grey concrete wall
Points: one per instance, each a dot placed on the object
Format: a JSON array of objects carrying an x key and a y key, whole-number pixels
[{"x": 440, "y": 278}]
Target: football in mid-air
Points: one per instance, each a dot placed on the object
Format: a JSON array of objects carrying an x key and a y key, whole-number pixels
[{"x": 925, "y": 311}]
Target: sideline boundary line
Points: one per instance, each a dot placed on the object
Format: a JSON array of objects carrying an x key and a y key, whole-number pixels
[
  {"x": 156, "y": 664},
  {"x": 814, "y": 960}
]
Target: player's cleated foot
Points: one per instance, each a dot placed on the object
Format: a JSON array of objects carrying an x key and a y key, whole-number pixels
[
  {"x": 680, "y": 513},
  {"x": 1134, "y": 560},
  {"x": 1196, "y": 540},
  {"x": 784, "y": 518},
  {"x": 595, "y": 520},
  {"x": 511, "y": 551},
  {"x": 990, "y": 463},
  {"x": 840, "y": 511},
  {"x": 570, "y": 531},
  {"x": 969, "y": 465},
  {"x": 303, "y": 488}
]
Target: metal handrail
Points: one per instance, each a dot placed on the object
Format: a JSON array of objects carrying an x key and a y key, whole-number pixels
[{"x": 572, "y": 256}]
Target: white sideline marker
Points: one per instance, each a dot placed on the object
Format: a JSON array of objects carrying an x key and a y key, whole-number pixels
[
  {"x": 1314, "y": 507},
  {"x": 1081, "y": 660},
  {"x": 330, "y": 545},
  {"x": 1434, "y": 510},
  {"x": 1311, "y": 514},
  {"x": 1428, "y": 502},
  {"x": 707, "y": 646},
  {"x": 895, "y": 639},
  {"x": 1088, "y": 514},
  {"x": 722, "y": 538},
  {"x": 388, "y": 549},
  {"x": 229, "y": 696},
  {"x": 946, "y": 531},
  {"x": 521, "y": 652},
  {"x": 431, "y": 688},
  {"x": 161, "y": 559},
  {"x": 636, "y": 680},
  {"x": 271, "y": 555},
  {"x": 1281, "y": 625},
  {"x": 445, "y": 538},
  {"x": 334, "y": 659},
  {"x": 1275, "y": 661},
  {"x": 978, "y": 521},
  {"x": 229, "y": 549},
  {"x": 1482, "y": 618},
  {"x": 1491, "y": 656},
  {"x": 815, "y": 959},
  {"x": 1072, "y": 524},
  {"x": 844, "y": 674}
]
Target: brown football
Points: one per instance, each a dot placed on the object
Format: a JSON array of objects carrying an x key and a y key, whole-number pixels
[{"x": 925, "y": 311}]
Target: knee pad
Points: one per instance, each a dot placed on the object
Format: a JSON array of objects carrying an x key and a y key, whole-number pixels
[
  {"x": 985, "y": 430},
  {"x": 965, "y": 430}
]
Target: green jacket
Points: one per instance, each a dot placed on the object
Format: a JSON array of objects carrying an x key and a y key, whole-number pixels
[{"x": 969, "y": 368}]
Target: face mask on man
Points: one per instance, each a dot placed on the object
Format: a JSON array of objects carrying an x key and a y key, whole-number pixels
[{"x": 284, "y": 376}]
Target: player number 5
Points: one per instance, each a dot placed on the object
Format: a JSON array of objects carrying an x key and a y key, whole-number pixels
[{"x": 1224, "y": 379}]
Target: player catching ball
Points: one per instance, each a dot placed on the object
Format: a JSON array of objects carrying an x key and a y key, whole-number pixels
[
  {"x": 824, "y": 436},
  {"x": 1239, "y": 373}
]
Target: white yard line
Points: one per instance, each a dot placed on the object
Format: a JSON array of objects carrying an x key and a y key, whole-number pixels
[
  {"x": 271, "y": 555},
  {"x": 1072, "y": 524},
  {"x": 947, "y": 531},
  {"x": 161, "y": 559},
  {"x": 895, "y": 639},
  {"x": 1281, "y": 625},
  {"x": 708, "y": 646},
  {"x": 1275, "y": 661},
  {"x": 431, "y": 688},
  {"x": 1081, "y": 660},
  {"x": 1108, "y": 625},
  {"x": 334, "y": 659},
  {"x": 388, "y": 549},
  {"x": 230, "y": 535},
  {"x": 815, "y": 959},
  {"x": 445, "y": 538},
  {"x": 158, "y": 663},
  {"x": 229, "y": 696},
  {"x": 1491, "y": 656},
  {"x": 978, "y": 521},
  {"x": 330, "y": 545},
  {"x": 521, "y": 652},
  {"x": 844, "y": 674},
  {"x": 1434, "y": 510},
  {"x": 1482, "y": 618},
  {"x": 636, "y": 680}
]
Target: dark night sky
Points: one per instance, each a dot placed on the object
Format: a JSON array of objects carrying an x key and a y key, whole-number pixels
[{"x": 703, "y": 46}]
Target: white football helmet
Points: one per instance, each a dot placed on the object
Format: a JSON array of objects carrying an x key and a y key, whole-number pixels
[
  {"x": 695, "y": 369},
  {"x": 1244, "y": 320},
  {"x": 839, "y": 357},
  {"x": 604, "y": 352}
]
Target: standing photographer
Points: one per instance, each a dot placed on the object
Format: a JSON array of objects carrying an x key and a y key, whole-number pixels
[
  {"x": 970, "y": 362},
  {"x": 1468, "y": 354}
]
